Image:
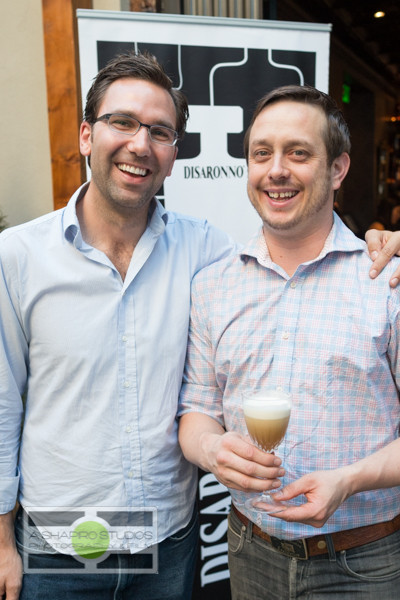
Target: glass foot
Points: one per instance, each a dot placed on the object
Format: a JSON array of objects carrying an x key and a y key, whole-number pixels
[{"x": 266, "y": 503}]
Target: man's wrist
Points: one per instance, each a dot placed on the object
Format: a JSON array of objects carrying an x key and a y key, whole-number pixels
[
  {"x": 7, "y": 537},
  {"x": 207, "y": 443}
]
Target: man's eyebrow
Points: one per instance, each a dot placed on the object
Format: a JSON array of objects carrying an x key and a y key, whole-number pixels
[
  {"x": 129, "y": 113},
  {"x": 259, "y": 142},
  {"x": 287, "y": 144}
]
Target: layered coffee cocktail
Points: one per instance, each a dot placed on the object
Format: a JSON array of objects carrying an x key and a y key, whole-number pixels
[{"x": 267, "y": 416}]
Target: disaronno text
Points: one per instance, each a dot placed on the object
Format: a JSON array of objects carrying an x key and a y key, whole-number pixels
[{"x": 214, "y": 172}]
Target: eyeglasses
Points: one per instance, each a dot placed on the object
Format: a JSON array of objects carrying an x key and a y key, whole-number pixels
[{"x": 130, "y": 126}]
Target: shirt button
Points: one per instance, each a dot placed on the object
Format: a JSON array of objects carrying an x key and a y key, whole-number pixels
[
  {"x": 124, "y": 338},
  {"x": 285, "y": 336},
  {"x": 293, "y": 284},
  {"x": 128, "y": 429},
  {"x": 127, "y": 384},
  {"x": 130, "y": 474}
]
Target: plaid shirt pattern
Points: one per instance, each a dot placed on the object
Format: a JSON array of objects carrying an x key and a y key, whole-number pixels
[{"x": 329, "y": 335}]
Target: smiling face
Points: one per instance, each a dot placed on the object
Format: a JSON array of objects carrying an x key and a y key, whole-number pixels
[
  {"x": 127, "y": 171},
  {"x": 290, "y": 183}
]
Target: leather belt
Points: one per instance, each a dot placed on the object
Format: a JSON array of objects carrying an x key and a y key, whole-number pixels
[{"x": 317, "y": 545}]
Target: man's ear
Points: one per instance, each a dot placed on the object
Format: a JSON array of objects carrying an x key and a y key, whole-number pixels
[
  {"x": 339, "y": 169},
  {"x": 85, "y": 138}
]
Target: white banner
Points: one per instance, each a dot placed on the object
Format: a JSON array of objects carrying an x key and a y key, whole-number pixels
[{"x": 223, "y": 66}]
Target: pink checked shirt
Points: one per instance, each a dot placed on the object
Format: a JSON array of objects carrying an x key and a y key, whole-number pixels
[{"x": 329, "y": 334}]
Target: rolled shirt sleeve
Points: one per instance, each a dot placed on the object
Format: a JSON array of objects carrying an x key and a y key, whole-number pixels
[
  {"x": 13, "y": 352},
  {"x": 200, "y": 390}
]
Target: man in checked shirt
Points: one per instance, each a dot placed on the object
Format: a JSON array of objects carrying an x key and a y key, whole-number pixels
[{"x": 296, "y": 309}]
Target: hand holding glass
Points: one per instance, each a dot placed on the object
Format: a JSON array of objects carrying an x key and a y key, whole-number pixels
[{"x": 267, "y": 417}]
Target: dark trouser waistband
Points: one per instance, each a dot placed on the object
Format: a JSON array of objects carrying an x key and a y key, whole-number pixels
[{"x": 317, "y": 545}]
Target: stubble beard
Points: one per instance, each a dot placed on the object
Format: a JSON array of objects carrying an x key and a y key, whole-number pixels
[
  {"x": 120, "y": 200},
  {"x": 305, "y": 214}
]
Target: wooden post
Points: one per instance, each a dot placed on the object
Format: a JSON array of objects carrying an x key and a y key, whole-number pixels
[
  {"x": 64, "y": 92},
  {"x": 145, "y": 5},
  {"x": 63, "y": 95}
]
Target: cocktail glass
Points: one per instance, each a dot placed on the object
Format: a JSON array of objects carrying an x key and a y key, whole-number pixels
[{"x": 267, "y": 416}]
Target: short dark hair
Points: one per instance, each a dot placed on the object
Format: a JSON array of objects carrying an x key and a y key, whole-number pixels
[
  {"x": 138, "y": 66},
  {"x": 337, "y": 135}
]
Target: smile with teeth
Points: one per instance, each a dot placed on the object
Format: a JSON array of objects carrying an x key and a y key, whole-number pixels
[
  {"x": 281, "y": 195},
  {"x": 133, "y": 170}
]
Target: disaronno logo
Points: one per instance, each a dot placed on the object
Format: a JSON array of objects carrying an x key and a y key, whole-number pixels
[{"x": 213, "y": 172}]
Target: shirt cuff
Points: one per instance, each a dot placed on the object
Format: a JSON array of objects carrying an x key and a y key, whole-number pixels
[{"x": 8, "y": 493}]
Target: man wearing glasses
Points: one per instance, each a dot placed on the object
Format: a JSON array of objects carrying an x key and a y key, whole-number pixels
[{"x": 94, "y": 303}]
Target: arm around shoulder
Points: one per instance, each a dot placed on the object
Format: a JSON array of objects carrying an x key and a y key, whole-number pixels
[{"x": 382, "y": 246}]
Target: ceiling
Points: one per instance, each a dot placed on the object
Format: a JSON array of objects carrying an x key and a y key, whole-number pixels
[{"x": 376, "y": 41}]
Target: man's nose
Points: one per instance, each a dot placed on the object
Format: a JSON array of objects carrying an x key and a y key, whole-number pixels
[
  {"x": 139, "y": 143},
  {"x": 278, "y": 168}
]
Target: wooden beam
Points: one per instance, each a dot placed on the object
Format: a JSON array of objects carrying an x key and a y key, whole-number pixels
[
  {"x": 63, "y": 95},
  {"x": 145, "y": 5}
]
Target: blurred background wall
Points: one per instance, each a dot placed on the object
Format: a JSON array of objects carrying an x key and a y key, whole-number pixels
[{"x": 364, "y": 60}]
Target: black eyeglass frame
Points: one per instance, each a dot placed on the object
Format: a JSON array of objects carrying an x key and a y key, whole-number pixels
[{"x": 106, "y": 117}]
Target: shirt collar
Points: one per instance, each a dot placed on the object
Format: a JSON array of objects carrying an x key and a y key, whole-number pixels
[
  {"x": 71, "y": 228},
  {"x": 339, "y": 239},
  {"x": 158, "y": 217}
]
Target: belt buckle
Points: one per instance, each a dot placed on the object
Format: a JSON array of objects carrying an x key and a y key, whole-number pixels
[{"x": 291, "y": 548}]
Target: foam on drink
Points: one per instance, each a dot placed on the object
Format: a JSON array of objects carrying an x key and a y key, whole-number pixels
[{"x": 267, "y": 418}]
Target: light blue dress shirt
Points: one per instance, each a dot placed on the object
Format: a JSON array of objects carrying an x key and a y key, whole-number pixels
[{"x": 102, "y": 362}]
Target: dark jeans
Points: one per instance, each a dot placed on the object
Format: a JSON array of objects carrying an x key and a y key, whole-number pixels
[
  {"x": 174, "y": 580},
  {"x": 259, "y": 572}
]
